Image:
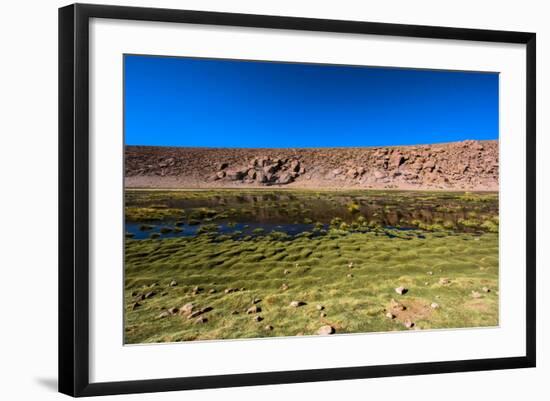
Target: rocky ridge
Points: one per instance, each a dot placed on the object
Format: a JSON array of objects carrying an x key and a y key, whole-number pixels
[{"x": 467, "y": 165}]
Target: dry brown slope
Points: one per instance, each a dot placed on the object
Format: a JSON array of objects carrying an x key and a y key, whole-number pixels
[{"x": 467, "y": 165}]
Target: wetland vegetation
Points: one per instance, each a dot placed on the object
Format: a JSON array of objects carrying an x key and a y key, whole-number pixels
[{"x": 248, "y": 263}]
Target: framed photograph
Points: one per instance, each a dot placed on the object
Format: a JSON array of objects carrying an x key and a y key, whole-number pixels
[{"x": 250, "y": 199}]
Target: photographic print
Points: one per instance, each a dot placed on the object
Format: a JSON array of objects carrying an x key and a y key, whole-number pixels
[{"x": 277, "y": 199}]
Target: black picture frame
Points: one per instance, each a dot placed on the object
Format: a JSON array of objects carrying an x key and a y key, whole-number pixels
[{"x": 74, "y": 198}]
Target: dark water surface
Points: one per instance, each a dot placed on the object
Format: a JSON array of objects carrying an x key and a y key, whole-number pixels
[{"x": 262, "y": 212}]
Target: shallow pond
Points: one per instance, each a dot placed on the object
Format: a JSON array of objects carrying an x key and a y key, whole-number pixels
[{"x": 251, "y": 213}]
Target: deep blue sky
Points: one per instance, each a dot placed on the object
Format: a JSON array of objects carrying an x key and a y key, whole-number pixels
[{"x": 224, "y": 103}]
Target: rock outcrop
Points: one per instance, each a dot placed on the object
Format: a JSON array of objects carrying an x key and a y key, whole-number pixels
[{"x": 467, "y": 165}]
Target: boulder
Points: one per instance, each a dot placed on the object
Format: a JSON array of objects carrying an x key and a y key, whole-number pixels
[
  {"x": 396, "y": 160},
  {"x": 285, "y": 178},
  {"x": 235, "y": 175},
  {"x": 261, "y": 177},
  {"x": 326, "y": 330},
  {"x": 397, "y": 305},
  {"x": 220, "y": 166},
  {"x": 429, "y": 165},
  {"x": 186, "y": 309},
  {"x": 294, "y": 166},
  {"x": 476, "y": 294},
  {"x": 408, "y": 324},
  {"x": 253, "y": 309},
  {"x": 270, "y": 169},
  {"x": 401, "y": 290}
]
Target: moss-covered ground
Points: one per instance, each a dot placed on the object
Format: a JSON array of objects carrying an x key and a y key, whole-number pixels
[{"x": 344, "y": 278}]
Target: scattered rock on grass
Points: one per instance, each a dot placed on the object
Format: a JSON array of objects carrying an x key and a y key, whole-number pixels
[
  {"x": 486, "y": 289},
  {"x": 397, "y": 305},
  {"x": 187, "y": 309},
  {"x": 390, "y": 315},
  {"x": 296, "y": 304},
  {"x": 212, "y": 291},
  {"x": 322, "y": 314},
  {"x": 253, "y": 309},
  {"x": 163, "y": 315},
  {"x": 434, "y": 305},
  {"x": 284, "y": 287},
  {"x": 320, "y": 307},
  {"x": 401, "y": 290},
  {"x": 408, "y": 324},
  {"x": 136, "y": 305},
  {"x": 173, "y": 311},
  {"x": 150, "y": 294},
  {"x": 286, "y": 271},
  {"x": 326, "y": 330},
  {"x": 476, "y": 294},
  {"x": 258, "y": 318},
  {"x": 200, "y": 312},
  {"x": 444, "y": 281},
  {"x": 430, "y": 273},
  {"x": 268, "y": 328},
  {"x": 230, "y": 290},
  {"x": 349, "y": 275},
  {"x": 256, "y": 300},
  {"x": 173, "y": 283},
  {"x": 201, "y": 320}
]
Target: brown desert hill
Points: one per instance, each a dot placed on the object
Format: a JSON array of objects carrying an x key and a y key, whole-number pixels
[{"x": 468, "y": 165}]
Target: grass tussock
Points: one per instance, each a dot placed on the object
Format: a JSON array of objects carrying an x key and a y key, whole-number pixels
[{"x": 352, "y": 274}]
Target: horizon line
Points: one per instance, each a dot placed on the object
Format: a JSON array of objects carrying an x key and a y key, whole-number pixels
[{"x": 311, "y": 147}]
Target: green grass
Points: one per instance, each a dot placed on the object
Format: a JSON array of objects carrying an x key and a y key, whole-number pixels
[
  {"x": 434, "y": 211},
  {"x": 133, "y": 213},
  {"x": 317, "y": 270}
]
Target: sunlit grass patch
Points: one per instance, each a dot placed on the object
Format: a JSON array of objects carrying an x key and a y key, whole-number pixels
[{"x": 318, "y": 272}]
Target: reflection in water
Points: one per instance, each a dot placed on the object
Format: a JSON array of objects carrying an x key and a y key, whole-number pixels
[{"x": 294, "y": 213}]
